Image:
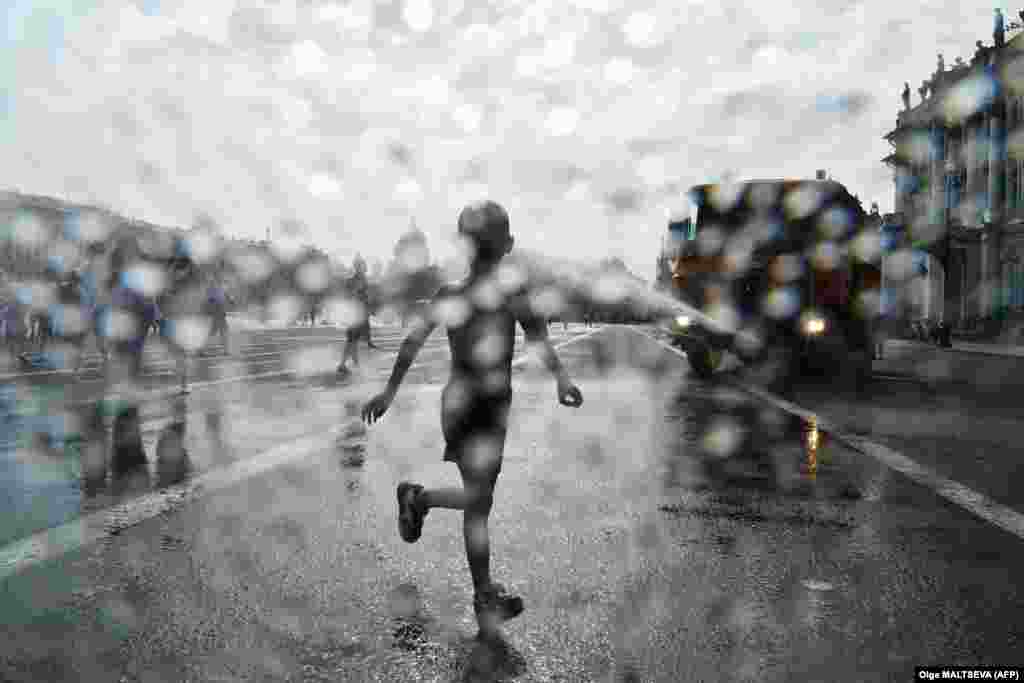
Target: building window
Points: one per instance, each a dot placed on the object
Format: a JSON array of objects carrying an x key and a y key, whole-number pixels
[
  {"x": 1014, "y": 286},
  {"x": 1012, "y": 183},
  {"x": 954, "y": 190}
]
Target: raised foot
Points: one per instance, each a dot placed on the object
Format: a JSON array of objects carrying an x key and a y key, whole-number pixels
[{"x": 410, "y": 512}]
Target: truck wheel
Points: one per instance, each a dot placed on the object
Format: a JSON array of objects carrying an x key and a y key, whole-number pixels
[{"x": 704, "y": 363}]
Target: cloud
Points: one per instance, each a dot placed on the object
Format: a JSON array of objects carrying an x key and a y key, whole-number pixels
[
  {"x": 623, "y": 200},
  {"x": 418, "y": 15},
  {"x": 261, "y": 110},
  {"x": 767, "y": 102},
  {"x": 400, "y": 154},
  {"x": 851, "y": 104}
]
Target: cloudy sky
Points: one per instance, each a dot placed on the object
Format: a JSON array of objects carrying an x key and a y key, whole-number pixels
[{"x": 588, "y": 119}]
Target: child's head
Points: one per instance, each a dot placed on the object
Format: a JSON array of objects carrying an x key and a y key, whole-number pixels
[{"x": 486, "y": 226}]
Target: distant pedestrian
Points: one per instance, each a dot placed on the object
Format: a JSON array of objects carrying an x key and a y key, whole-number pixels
[
  {"x": 475, "y": 403},
  {"x": 127, "y": 303},
  {"x": 154, "y": 315},
  {"x": 359, "y": 292},
  {"x": 92, "y": 297},
  {"x": 217, "y": 302},
  {"x": 184, "y": 298}
]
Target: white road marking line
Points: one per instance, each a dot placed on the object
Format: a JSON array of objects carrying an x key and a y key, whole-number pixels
[
  {"x": 101, "y": 524},
  {"x": 980, "y": 505}
]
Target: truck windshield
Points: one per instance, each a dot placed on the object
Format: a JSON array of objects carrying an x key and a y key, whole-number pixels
[{"x": 682, "y": 231}]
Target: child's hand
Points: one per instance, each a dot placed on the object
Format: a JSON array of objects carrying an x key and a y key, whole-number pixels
[
  {"x": 376, "y": 407},
  {"x": 569, "y": 395}
]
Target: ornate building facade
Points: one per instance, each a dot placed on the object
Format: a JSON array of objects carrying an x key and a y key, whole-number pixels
[
  {"x": 37, "y": 231},
  {"x": 958, "y": 163}
]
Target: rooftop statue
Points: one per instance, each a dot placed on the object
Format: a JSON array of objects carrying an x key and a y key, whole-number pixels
[
  {"x": 906, "y": 95},
  {"x": 980, "y": 53},
  {"x": 923, "y": 90},
  {"x": 942, "y": 64}
]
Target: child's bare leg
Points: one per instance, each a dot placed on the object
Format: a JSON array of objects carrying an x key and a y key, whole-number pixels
[
  {"x": 449, "y": 499},
  {"x": 475, "y": 500},
  {"x": 479, "y": 501}
]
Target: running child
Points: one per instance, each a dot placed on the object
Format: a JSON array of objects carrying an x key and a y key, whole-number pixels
[{"x": 475, "y": 403}]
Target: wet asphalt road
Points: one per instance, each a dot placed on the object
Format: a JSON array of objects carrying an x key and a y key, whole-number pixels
[{"x": 668, "y": 530}]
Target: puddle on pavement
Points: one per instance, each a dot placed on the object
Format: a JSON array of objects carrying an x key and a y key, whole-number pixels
[
  {"x": 409, "y": 617},
  {"x": 730, "y": 442},
  {"x": 775, "y": 470},
  {"x": 47, "y": 481}
]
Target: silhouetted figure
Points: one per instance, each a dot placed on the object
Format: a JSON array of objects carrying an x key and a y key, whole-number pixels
[
  {"x": 476, "y": 401},
  {"x": 359, "y": 291},
  {"x": 128, "y": 453},
  {"x": 923, "y": 91},
  {"x": 906, "y": 95},
  {"x": 172, "y": 461},
  {"x": 92, "y": 297},
  {"x": 93, "y": 449},
  {"x": 183, "y": 297},
  {"x": 217, "y": 301},
  {"x": 941, "y": 65},
  {"x": 127, "y": 303}
]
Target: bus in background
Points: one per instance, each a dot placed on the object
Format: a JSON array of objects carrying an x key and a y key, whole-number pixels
[{"x": 792, "y": 264}]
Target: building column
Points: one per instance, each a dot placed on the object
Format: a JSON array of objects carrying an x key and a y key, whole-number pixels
[
  {"x": 968, "y": 211},
  {"x": 990, "y": 271},
  {"x": 937, "y": 203},
  {"x": 937, "y": 218},
  {"x": 996, "y": 164}
]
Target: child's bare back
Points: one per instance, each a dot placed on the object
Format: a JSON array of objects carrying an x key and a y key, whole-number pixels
[
  {"x": 483, "y": 343},
  {"x": 481, "y": 336}
]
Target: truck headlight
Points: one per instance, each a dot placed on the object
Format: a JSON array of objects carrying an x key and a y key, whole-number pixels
[
  {"x": 682, "y": 321},
  {"x": 814, "y": 326}
]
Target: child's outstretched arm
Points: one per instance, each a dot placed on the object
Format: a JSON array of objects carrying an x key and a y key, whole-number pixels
[
  {"x": 407, "y": 353},
  {"x": 535, "y": 330}
]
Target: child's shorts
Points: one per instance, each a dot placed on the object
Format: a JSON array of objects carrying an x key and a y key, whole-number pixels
[{"x": 469, "y": 416}]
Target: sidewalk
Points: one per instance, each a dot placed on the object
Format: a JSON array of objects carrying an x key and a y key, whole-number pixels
[
  {"x": 990, "y": 349},
  {"x": 985, "y": 367}
]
